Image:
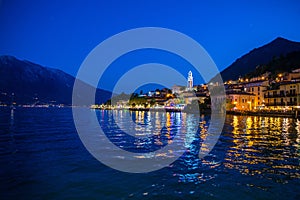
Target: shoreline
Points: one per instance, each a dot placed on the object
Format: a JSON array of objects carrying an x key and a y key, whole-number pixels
[
  {"x": 208, "y": 112},
  {"x": 156, "y": 109},
  {"x": 265, "y": 114},
  {"x": 290, "y": 114}
]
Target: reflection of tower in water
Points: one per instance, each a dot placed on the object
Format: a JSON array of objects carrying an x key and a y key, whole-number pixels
[
  {"x": 12, "y": 112},
  {"x": 13, "y": 147}
]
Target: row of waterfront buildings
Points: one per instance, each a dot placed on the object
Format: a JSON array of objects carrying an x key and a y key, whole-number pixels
[
  {"x": 265, "y": 92},
  {"x": 280, "y": 92}
]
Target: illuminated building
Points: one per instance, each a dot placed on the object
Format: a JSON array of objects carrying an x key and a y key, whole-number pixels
[
  {"x": 257, "y": 88},
  {"x": 177, "y": 89},
  {"x": 280, "y": 93},
  {"x": 283, "y": 95},
  {"x": 190, "y": 80},
  {"x": 240, "y": 100}
]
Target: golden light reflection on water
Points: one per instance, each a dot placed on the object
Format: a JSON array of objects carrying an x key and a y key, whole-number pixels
[
  {"x": 203, "y": 132},
  {"x": 168, "y": 126},
  {"x": 163, "y": 125},
  {"x": 264, "y": 145},
  {"x": 297, "y": 145}
]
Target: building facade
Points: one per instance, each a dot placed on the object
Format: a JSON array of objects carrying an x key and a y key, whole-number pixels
[
  {"x": 283, "y": 95},
  {"x": 257, "y": 88},
  {"x": 240, "y": 101}
]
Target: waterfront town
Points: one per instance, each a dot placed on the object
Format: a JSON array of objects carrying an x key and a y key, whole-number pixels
[{"x": 267, "y": 92}]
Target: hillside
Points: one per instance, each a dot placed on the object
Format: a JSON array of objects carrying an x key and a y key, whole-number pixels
[
  {"x": 27, "y": 83},
  {"x": 259, "y": 56},
  {"x": 277, "y": 65}
]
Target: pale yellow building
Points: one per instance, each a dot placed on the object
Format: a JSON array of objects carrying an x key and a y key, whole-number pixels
[
  {"x": 256, "y": 88},
  {"x": 240, "y": 101},
  {"x": 283, "y": 95}
]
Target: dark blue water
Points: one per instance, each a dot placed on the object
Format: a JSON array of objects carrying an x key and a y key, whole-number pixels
[{"x": 42, "y": 157}]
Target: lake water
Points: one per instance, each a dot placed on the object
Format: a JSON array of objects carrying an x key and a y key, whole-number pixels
[{"x": 42, "y": 157}]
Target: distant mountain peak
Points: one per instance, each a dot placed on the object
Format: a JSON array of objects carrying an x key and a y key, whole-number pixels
[
  {"x": 281, "y": 39},
  {"x": 32, "y": 83}
]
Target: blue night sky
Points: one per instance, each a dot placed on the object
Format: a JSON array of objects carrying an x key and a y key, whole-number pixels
[{"x": 60, "y": 34}]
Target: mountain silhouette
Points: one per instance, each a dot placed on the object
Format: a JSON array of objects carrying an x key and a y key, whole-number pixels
[
  {"x": 259, "y": 56},
  {"x": 25, "y": 82}
]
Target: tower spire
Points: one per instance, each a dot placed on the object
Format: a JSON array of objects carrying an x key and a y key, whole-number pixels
[{"x": 190, "y": 81}]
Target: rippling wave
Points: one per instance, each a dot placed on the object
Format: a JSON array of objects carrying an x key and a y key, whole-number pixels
[{"x": 41, "y": 156}]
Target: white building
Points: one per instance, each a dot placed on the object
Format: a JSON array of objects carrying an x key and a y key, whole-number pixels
[{"x": 190, "y": 81}]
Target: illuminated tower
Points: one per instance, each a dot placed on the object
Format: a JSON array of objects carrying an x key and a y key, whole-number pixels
[{"x": 190, "y": 81}]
